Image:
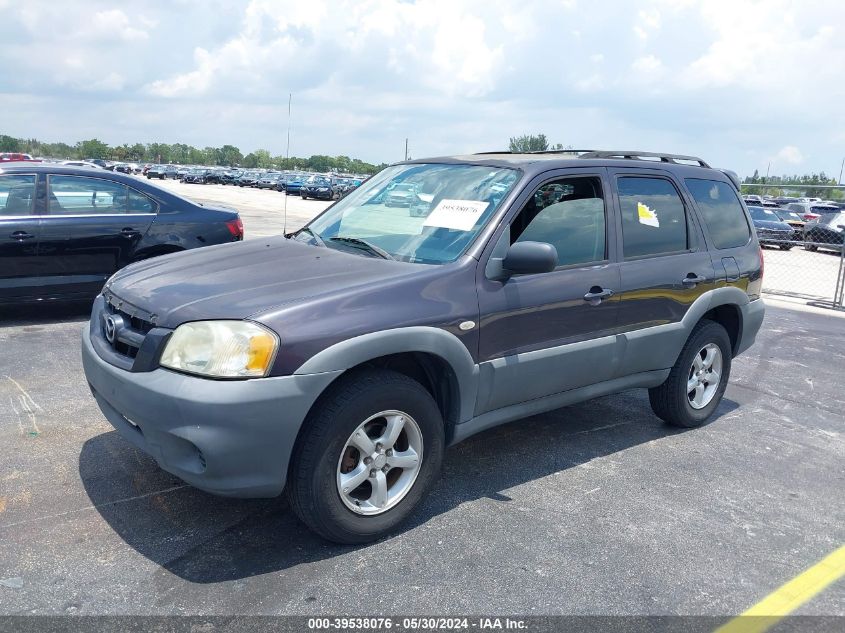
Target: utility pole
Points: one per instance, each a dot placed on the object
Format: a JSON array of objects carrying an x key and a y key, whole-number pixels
[
  {"x": 839, "y": 182},
  {"x": 406, "y": 149}
]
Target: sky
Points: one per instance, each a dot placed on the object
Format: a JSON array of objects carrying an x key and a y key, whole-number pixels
[{"x": 743, "y": 84}]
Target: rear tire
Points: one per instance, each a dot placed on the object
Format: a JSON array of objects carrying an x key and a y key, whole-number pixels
[
  {"x": 786, "y": 247},
  {"x": 674, "y": 401},
  {"x": 324, "y": 449}
]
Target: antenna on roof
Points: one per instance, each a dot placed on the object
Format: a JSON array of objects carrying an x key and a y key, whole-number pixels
[{"x": 287, "y": 162}]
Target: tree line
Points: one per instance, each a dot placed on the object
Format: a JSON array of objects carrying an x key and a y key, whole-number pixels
[
  {"x": 182, "y": 154},
  {"x": 804, "y": 185}
]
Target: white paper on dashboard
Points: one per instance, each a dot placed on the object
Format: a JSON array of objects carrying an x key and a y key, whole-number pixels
[{"x": 460, "y": 215}]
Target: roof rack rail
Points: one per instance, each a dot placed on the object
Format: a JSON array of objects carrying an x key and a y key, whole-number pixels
[
  {"x": 663, "y": 158},
  {"x": 542, "y": 151}
]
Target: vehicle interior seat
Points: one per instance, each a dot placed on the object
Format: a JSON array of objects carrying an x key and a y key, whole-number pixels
[{"x": 18, "y": 201}]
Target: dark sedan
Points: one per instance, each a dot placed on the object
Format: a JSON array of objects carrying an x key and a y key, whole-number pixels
[
  {"x": 230, "y": 176},
  {"x": 268, "y": 181},
  {"x": 319, "y": 187},
  {"x": 825, "y": 232},
  {"x": 65, "y": 230},
  {"x": 770, "y": 228},
  {"x": 247, "y": 179},
  {"x": 200, "y": 176},
  {"x": 161, "y": 172}
]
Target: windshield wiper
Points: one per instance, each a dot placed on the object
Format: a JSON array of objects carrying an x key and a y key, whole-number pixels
[
  {"x": 354, "y": 241},
  {"x": 313, "y": 234}
]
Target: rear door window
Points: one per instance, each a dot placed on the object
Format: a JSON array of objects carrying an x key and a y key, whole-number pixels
[
  {"x": 654, "y": 220},
  {"x": 17, "y": 195},
  {"x": 79, "y": 195}
]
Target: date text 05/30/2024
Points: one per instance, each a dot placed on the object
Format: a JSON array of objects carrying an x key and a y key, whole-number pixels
[{"x": 415, "y": 624}]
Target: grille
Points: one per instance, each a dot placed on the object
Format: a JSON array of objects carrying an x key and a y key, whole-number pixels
[{"x": 128, "y": 338}]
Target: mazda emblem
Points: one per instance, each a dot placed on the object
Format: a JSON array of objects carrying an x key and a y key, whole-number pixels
[
  {"x": 112, "y": 325},
  {"x": 111, "y": 328}
]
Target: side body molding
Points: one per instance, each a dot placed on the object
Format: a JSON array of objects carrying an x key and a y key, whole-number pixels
[
  {"x": 432, "y": 340},
  {"x": 658, "y": 347}
]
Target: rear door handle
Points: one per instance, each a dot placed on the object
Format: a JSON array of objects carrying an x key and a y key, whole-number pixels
[
  {"x": 596, "y": 295},
  {"x": 21, "y": 235},
  {"x": 692, "y": 280},
  {"x": 129, "y": 232}
]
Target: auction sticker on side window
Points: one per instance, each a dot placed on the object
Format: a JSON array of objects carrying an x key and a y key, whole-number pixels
[{"x": 460, "y": 215}]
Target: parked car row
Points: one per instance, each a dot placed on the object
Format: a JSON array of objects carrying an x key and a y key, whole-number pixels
[
  {"x": 785, "y": 228},
  {"x": 306, "y": 185}
]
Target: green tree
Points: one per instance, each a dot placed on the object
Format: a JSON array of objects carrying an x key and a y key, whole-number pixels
[
  {"x": 9, "y": 144},
  {"x": 93, "y": 148},
  {"x": 262, "y": 158},
  {"x": 529, "y": 143},
  {"x": 159, "y": 152},
  {"x": 229, "y": 155},
  {"x": 250, "y": 161}
]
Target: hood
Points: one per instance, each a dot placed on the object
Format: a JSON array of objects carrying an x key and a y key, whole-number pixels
[
  {"x": 243, "y": 279},
  {"x": 771, "y": 224}
]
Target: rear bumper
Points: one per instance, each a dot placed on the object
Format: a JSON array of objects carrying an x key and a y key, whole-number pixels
[
  {"x": 752, "y": 318},
  {"x": 231, "y": 438}
]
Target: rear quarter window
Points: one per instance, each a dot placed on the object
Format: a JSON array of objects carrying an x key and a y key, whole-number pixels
[{"x": 722, "y": 212}]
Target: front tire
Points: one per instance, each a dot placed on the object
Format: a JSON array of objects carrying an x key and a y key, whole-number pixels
[
  {"x": 698, "y": 379},
  {"x": 369, "y": 450}
]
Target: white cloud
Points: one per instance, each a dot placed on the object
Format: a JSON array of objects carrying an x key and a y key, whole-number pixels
[
  {"x": 790, "y": 155},
  {"x": 648, "y": 64},
  {"x": 113, "y": 24},
  {"x": 648, "y": 21}
]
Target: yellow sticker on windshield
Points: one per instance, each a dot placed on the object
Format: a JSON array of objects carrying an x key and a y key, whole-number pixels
[{"x": 647, "y": 216}]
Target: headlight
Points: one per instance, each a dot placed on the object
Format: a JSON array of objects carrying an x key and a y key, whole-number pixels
[{"x": 223, "y": 349}]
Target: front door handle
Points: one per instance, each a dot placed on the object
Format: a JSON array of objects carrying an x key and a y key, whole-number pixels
[
  {"x": 596, "y": 294},
  {"x": 21, "y": 235},
  {"x": 692, "y": 280},
  {"x": 129, "y": 232}
]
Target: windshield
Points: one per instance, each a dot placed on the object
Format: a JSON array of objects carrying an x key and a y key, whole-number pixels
[
  {"x": 450, "y": 205},
  {"x": 759, "y": 213},
  {"x": 318, "y": 180},
  {"x": 787, "y": 215}
]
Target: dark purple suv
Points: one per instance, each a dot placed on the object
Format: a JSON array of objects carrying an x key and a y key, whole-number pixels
[{"x": 338, "y": 362}]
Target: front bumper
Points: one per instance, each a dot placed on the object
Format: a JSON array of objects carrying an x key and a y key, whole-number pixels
[
  {"x": 328, "y": 195},
  {"x": 227, "y": 437}
]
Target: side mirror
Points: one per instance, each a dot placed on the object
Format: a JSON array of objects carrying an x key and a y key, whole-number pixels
[{"x": 525, "y": 258}]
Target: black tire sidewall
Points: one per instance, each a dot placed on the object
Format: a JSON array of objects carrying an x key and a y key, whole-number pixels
[
  {"x": 710, "y": 333},
  {"x": 338, "y": 522}
]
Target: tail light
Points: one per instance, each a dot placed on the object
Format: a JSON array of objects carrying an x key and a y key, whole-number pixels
[{"x": 236, "y": 228}]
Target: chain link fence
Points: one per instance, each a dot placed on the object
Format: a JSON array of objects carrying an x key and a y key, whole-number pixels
[{"x": 803, "y": 249}]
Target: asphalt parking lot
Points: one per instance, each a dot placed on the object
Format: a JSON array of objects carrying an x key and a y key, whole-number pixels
[
  {"x": 262, "y": 210},
  {"x": 593, "y": 509}
]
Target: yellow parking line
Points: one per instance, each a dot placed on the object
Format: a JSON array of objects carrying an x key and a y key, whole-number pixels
[{"x": 784, "y": 600}]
